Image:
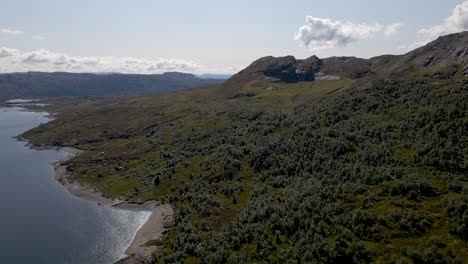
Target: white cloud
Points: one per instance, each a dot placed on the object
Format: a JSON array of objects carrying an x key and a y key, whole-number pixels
[
  {"x": 457, "y": 22},
  {"x": 414, "y": 45},
  {"x": 11, "y": 31},
  {"x": 6, "y": 52},
  {"x": 392, "y": 29},
  {"x": 13, "y": 60},
  {"x": 322, "y": 33}
]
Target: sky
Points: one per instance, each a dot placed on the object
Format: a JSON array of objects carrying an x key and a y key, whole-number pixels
[{"x": 211, "y": 36}]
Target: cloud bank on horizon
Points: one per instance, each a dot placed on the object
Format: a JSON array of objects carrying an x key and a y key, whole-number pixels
[{"x": 13, "y": 60}]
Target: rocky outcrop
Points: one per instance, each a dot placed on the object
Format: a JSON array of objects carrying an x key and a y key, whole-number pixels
[
  {"x": 278, "y": 69},
  {"x": 282, "y": 68},
  {"x": 306, "y": 69},
  {"x": 446, "y": 57},
  {"x": 320, "y": 76},
  {"x": 275, "y": 69},
  {"x": 289, "y": 69},
  {"x": 347, "y": 66}
]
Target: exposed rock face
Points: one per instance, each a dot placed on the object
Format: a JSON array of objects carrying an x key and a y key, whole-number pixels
[
  {"x": 348, "y": 66},
  {"x": 448, "y": 54},
  {"x": 280, "y": 69},
  {"x": 320, "y": 76},
  {"x": 306, "y": 69},
  {"x": 283, "y": 68},
  {"x": 288, "y": 69},
  {"x": 270, "y": 68}
]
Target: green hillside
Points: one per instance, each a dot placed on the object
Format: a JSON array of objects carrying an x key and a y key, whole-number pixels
[{"x": 367, "y": 168}]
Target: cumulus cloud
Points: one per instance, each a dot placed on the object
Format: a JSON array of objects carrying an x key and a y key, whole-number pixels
[
  {"x": 11, "y": 31},
  {"x": 13, "y": 60},
  {"x": 392, "y": 29},
  {"x": 457, "y": 22},
  {"x": 6, "y": 52},
  {"x": 322, "y": 33}
]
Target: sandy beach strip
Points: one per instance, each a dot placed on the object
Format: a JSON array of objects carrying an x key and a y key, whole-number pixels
[{"x": 153, "y": 229}]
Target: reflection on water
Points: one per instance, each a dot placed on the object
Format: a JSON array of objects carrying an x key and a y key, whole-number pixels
[{"x": 40, "y": 221}]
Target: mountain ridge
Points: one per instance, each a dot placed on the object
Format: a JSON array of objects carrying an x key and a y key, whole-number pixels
[
  {"x": 57, "y": 84},
  {"x": 443, "y": 52},
  {"x": 444, "y": 58}
]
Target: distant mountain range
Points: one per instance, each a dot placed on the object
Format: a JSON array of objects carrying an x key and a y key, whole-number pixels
[
  {"x": 203, "y": 76},
  {"x": 56, "y": 84}
]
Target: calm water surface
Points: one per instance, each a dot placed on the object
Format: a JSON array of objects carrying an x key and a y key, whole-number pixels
[{"x": 40, "y": 222}]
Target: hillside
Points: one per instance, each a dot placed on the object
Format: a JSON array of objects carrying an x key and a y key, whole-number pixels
[
  {"x": 41, "y": 84},
  {"x": 290, "y": 161}
]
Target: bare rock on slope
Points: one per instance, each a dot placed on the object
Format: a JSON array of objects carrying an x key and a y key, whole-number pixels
[{"x": 448, "y": 54}]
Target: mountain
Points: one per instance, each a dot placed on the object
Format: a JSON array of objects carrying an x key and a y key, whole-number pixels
[
  {"x": 443, "y": 58},
  {"x": 56, "y": 84}
]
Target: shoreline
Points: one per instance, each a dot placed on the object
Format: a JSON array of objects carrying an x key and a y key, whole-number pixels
[{"x": 153, "y": 229}]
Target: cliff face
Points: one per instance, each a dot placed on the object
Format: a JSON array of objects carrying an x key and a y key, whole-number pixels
[{"x": 351, "y": 67}]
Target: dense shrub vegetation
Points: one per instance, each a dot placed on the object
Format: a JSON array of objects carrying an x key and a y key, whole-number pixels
[
  {"x": 363, "y": 176},
  {"x": 376, "y": 173}
]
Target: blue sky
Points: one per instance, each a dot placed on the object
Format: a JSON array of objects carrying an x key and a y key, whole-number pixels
[{"x": 151, "y": 36}]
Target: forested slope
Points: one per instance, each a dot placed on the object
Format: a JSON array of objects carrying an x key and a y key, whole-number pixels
[
  {"x": 376, "y": 173},
  {"x": 359, "y": 170}
]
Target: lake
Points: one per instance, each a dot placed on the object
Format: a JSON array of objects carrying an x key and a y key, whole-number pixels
[{"x": 40, "y": 222}]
